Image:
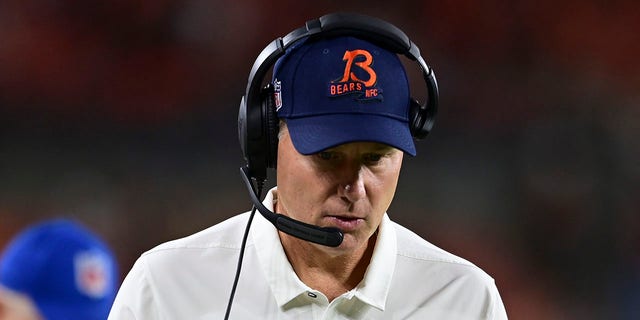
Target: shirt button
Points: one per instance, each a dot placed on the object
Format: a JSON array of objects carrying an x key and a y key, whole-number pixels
[{"x": 312, "y": 295}]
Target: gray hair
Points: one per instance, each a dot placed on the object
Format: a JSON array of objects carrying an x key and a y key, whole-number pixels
[{"x": 282, "y": 128}]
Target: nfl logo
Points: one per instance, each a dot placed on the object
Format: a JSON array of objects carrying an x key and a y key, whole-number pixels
[
  {"x": 91, "y": 273},
  {"x": 277, "y": 94}
]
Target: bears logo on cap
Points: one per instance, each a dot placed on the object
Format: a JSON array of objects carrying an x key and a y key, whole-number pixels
[{"x": 361, "y": 82}]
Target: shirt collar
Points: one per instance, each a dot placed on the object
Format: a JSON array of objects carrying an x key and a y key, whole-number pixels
[
  {"x": 286, "y": 285},
  {"x": 283, "y": 281},
  {"x": 373, "y": 289}
]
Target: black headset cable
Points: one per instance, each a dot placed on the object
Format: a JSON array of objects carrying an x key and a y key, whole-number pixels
[{"x": 260, "y": 184}]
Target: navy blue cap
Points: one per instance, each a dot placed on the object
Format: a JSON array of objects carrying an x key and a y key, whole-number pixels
[
  {"x": 344, "y": 89},
  {"x": 65, "y": 269}
]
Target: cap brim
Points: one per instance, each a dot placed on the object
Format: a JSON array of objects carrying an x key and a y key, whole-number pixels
[{"x": 314, "y": 134}]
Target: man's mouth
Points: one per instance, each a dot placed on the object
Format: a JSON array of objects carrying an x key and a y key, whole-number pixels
[{"x": 345, "y": 223}]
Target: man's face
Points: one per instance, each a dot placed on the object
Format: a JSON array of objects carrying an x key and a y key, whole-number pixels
[{"x": 348, "y": 187}]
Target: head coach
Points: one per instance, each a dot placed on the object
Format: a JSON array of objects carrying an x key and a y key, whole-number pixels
[{"x": 335, "y": 120}]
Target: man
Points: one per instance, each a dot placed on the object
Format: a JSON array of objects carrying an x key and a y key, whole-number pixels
[
  {"x": 343, "y": 106},
  {"x": 57, "y": 270}
]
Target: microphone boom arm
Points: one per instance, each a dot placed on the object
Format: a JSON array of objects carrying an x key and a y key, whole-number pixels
[{"x": 328, "y": 236}]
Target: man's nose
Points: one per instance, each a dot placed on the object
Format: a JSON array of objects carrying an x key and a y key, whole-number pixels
[{"x": 351, "y": 186}]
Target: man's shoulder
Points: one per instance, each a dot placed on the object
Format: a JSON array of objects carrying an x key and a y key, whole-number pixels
[
  {"x": 443, "y": 274},
  {"x": 224, "y": 235},
  {"x": 414, "y": 249}
]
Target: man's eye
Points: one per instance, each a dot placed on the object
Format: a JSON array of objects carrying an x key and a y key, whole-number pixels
[
  {"x": 324, "y": 155},
  {"x": 372, "y": 157}
]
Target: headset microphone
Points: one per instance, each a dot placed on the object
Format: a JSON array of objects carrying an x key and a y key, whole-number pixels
[{"x": 328, "y": 236}]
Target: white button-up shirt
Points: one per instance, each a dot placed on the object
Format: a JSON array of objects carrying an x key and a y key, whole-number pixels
[{"x": 408, "y": 278}]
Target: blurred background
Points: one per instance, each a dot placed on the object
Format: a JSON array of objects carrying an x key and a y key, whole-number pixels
[{"x": 123, "y": 115}]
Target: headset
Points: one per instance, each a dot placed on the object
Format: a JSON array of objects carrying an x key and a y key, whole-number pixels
[{"x": 258, "y": 124}]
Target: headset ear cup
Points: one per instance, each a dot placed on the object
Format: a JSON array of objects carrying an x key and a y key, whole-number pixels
[
  {"x": 421, "y": 119},
  {"x": 416, "y": 119},
  {"x": 272, "y": 126},
  {"x": 242, "y": 128}
]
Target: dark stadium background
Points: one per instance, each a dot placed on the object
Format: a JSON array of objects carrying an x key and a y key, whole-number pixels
[{"x": 122, "y": 114}]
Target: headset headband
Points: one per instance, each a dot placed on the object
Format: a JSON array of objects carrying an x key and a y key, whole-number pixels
[{"x": 336, "y": 24}]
